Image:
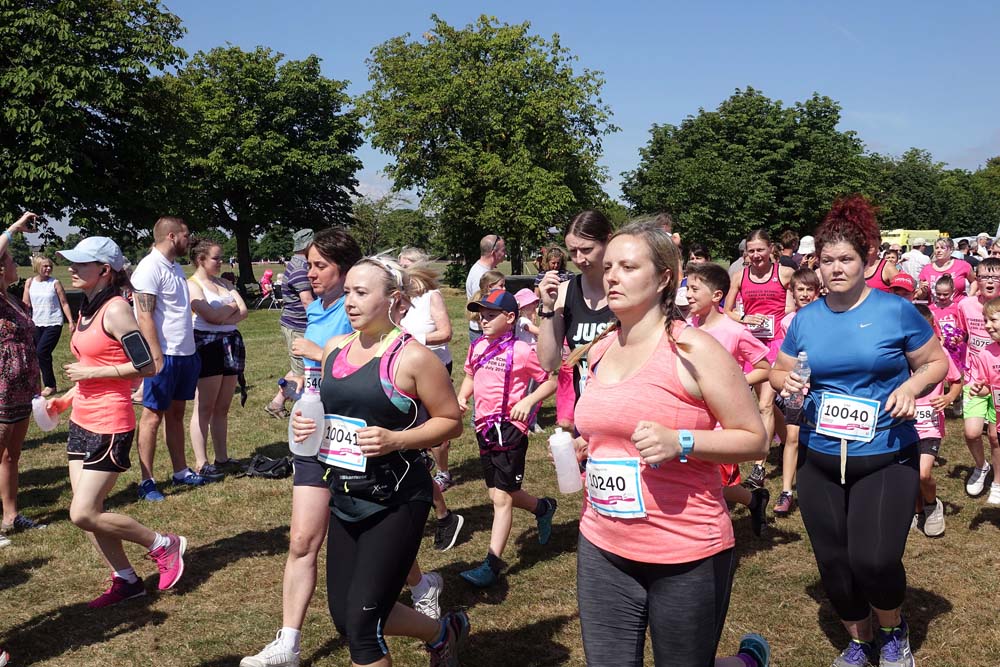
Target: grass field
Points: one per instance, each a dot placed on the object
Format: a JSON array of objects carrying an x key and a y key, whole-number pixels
[{"x": 229, "y": 602}]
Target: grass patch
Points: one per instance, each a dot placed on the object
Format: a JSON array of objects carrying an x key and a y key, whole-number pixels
[{"x": 229, "y": 603}]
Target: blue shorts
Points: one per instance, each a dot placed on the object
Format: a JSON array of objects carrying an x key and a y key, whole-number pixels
[{"x": 177, "y": 381}]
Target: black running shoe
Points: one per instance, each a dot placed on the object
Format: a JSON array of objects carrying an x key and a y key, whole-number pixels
[
  {"x": 446, "y": 534},
  {"x": 755, "y": 479}
]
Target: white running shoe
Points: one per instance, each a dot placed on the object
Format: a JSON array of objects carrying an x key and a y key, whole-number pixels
[
  {"x": 430, "y": 605},
  {"x": 274, "y": 654},
  {"x": 934, "y": 520},
  {"x": 994, "y": 498},
  {"x": 977, "y": 480}
]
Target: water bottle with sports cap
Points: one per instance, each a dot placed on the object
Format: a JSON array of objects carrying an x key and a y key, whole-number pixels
[
  {"x": 793, "y": 404},
  {"x": 311, "y": 407}
]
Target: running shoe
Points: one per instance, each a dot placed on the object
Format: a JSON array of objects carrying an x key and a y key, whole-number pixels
[
  {"x": 894, "y": 647},
  {"x": 785, "y": 504},
  {"x": 934, "y": 519},
  {"x": 994, "y": 497},
  {"x": 190, "y": 478},
  {"x": 755, "y": 479},
  {"x": 446, "y": 534},
  {"x": 149, "y": 492},
  {"x": 119, "y": 591},
  {"x": 545, "y": 521},
  {"x": 275, "y": 654},
  {"x": 443, "y": 480},
  {"x": 758, "y": 514},
  {"x": 211, "y": 473},
  {"x": 456, "y": 629},
  {"x": 481, "y": 576},
  {"x": 857, "y": 654},
  {"x": 4, "y": 540},
  {"x": 20, "y": 524},
  {"x": 169, "y": 560},
  {"x": 977, "y": 480},
  {"x": 429, "y": 604},
  {"x": 757, "y": 648},
  {"x": 4, "y": 657}
]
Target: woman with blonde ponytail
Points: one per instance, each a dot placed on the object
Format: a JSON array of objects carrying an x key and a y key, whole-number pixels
[{"x": 656, "y": 543}]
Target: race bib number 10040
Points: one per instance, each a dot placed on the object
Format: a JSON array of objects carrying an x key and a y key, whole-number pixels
[{"x": 847, "y": 417}]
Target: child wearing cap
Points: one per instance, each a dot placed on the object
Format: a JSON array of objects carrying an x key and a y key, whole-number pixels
[
  {"x": 903, "y": 285},
  {"x": 527, "y": 327},
  {"x": 497, "y": 372}
]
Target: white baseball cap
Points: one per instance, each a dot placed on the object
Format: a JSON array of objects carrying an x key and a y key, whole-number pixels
[{"x": 96, "y": 249}]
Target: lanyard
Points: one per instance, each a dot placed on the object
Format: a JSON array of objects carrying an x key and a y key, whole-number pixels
[{"x": 504, "y": 345}]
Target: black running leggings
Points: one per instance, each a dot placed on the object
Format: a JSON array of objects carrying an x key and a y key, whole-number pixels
[
  {"x": 366, "y": 566},
  {"x": 858, "y": 530}
]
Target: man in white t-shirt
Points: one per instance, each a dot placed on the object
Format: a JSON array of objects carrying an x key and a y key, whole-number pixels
[
  {"x": 915, "y": 260},
  {"x": 492, "y": 251},
  {"x": 163, "y": 309}
]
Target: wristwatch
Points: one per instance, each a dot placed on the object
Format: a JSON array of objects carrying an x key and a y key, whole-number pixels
[
  {"x": 545, "y": 314},
  {"x": 686, "y": 440}
]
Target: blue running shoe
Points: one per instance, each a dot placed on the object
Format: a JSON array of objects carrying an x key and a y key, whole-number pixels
[
  {"x": 857, "y": 654},
  {"x": 481, "y": 576},
  {"x": 149, "y": 492},
  {"x": 445, "y": 652},
  {"x": 545, "y": 521},
  {"x": 190, "y": 479},
  {"x": 757, "y": 648},
  {"x": 895, "y": 646}
]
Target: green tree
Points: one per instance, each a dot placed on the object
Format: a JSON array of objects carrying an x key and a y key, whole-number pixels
[
  {"x": 910, "y": 195},
  {"x": 383, "y": 223},
  {"x": 750, "y": 163},
  {"x": 249, "y": 143},
  {"x": 20, "y": 251},
  {"x": 71, "y": 82},
  {"x": 492, "y": 126},
  {"x": 275, "y": 243}
]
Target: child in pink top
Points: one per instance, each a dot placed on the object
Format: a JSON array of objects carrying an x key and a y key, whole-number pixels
[
  {"x": 948, "y": 318},
  {"x": 984, "y": 372},
  {"x": 497, "y": 372},
  {"x": 931, "y": 429}
]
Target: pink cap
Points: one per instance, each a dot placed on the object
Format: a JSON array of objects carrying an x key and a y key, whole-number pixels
[{"x": 525, "y": 297}]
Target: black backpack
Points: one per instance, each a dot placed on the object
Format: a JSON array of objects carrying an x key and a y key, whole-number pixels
[{"x": 268, "y": 468}]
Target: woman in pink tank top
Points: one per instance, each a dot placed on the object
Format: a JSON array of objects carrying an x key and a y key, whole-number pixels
[
  {"x": 655, "y": 536},
  {"x": 110, "y": 352}
]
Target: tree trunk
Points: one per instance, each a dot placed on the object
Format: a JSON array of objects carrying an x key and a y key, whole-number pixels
[
  {"x": 243, "y": 256},
  {"x": 516, "y": 253}
]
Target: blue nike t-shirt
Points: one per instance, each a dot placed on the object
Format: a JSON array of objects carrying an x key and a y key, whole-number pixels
[
  {"x": 860, "y": 352},
  {"x": 325, "y": 323}
]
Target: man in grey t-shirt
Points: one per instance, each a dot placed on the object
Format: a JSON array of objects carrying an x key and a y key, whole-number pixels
[{"x": 492, "y": 251}]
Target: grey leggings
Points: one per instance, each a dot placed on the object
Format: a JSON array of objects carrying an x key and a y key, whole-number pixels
[{"x": 683, "y": 605}]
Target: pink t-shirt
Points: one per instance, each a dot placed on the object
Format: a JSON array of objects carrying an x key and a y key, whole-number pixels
[
  {"x": 686, "y": 516},
  {"x": 985, "y": 369},
  {"x": 973, "y": 321},
  {"x": 487, "y": 382},
  {"x": 930, "y": 422},
  {"x": 737, "y": 340},
  {"x": 960, "y": 270},
  {"x": 952, "y": 329}
]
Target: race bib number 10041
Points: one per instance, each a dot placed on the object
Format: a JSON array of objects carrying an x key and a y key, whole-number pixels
[
  {"x": 847, "y": 417},
  {"x": 340, "y": 443}
]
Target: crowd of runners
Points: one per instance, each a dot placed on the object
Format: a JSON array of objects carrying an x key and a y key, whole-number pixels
[{"x": 670, "y": 370}]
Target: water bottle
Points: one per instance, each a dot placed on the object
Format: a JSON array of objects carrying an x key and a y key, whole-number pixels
[
  {"x": 45, "y": 419},
  {"x": 288, "y": 389},
  {"x": 567, "y": 467},
  {"x": 311, "y": 407},
  {"x": 793, "y": 404}
]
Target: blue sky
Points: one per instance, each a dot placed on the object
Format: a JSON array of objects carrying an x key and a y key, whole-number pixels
[{"x": 907, "y": 74}]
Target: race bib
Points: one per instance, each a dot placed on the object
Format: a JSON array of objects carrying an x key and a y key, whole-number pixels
[
  {"x": 765, "y": 329},
  {"x": 926, "y": 416},
  {"x": 978, "y": 343},
  {"x": 996, "y": 397},
  {"x": 340, "y": 443},
  {"x": 613, "y": 488},
  {"x": 847, "y": 417}
]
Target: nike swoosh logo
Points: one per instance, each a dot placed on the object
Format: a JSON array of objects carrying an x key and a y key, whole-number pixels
[
  {"x": 368, "y": 608},
  {"x": 862, "y": 326},
  {"x": 903, "y": 460}
]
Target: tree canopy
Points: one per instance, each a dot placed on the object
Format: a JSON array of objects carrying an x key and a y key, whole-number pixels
[{"x": 492, "y": 126}]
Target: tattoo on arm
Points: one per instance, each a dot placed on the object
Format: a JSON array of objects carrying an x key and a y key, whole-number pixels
[
  {"x": 147, "y": 302},
  {"x": 922, "y": 369}
]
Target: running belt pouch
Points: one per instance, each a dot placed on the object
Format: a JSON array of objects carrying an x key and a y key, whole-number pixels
[
  {"x": 376, "y": 484},
  {"x": 268, "y": 468}
]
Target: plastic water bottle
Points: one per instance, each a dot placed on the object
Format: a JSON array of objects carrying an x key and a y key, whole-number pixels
[
  {"x": 288, "y": 389},
  {"x": 45, "y": 419},
  {"x": 567, "y": 466},
  {"x": 311, "y": 407},
  {"x": 793, "y": 404}
]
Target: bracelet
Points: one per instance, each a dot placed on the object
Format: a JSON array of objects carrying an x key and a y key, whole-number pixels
[
  {"x": 545, "y": 314},
  {"x": 10, "y": 237}
]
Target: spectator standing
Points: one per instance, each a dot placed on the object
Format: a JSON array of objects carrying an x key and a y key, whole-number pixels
[
  {"x": 296, "y": 294},
  {"x": 46, "y": 301},
  {"x": 789, "y": 250},
  {"x": 163, "y": 310},
  {"x": 915, "y": 260},
  {"x": 967, "y": 254},
  {"x": 492, "y": 251},
  {"x": 983, "y": 245}
]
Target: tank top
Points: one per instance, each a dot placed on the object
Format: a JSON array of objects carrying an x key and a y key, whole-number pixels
[
  {"x": 687, "y": 518},
  {"x": 877, "y": 280},
  {"x": 418, "y": 320},
  {"x": 582, "y": 326},
  {"x": 388, "y": 480},
  {"x": 766, "y": 298},
  {"x": 46, "y": 310},
  {"x": 101, "y": 405},
  {"x": 213, "y": 300}
]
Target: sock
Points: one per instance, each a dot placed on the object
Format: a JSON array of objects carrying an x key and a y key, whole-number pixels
[
  {"x": 420, "y": 589},
  {"x": 290, "y": 639},
  {"x": 930, "y": 503},
  {"x": 159, "y": 541},
  {"x": 182, "y": 474},
  {"x": 128, "y": 574},
  {"x": 494, "y": 563},
  {"x": 446, "y": 520},
  {"x": 541, "y": 507},
  {"x": 748, "y": 660}
]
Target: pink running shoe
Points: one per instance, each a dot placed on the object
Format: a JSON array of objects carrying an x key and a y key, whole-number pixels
[
  {"x": 119, "y": 591},
  {"x": 170, "y": 560}
]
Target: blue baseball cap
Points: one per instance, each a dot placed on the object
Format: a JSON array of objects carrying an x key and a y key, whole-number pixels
[
  {"x": 498, "y": 299},
  {"x": 95, "y": 249}
]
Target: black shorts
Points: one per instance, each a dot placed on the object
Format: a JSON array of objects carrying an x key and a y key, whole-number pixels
[
  {"x": 504, "y": 469},
  {"x": 308, "y": 471},
  {"x": 221, "y": 353},
  {"x": 99, "y": 451},
  {"x": 929, "y": 446}
]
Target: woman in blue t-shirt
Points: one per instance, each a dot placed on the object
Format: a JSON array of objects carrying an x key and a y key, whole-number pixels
[{"x": 871, "y": 355}]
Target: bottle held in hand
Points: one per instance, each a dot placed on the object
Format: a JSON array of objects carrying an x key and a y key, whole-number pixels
[
  {"x": 311, "y": 407},
  {"x": 567, "y": 466},
  {"x": 793, "y": 404}
]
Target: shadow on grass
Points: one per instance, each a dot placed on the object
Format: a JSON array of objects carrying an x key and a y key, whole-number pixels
[
  {"x": 463, "y": 594},
  {"x": 71, "y": 627},
  {"x": 329, "y": 647},
  {"x": 15, "y": 574},
  {"x": 747, "y": 543},
  {"x": 57, "y": 437},
  {"x": 920, "y": 608},
  {"x": 275, "y": 450},
  {"x": 44, "y": 477},
  {"x": 985, "y": 515},
  {"x": 497, "y": 647},
  {"x": 203, "y": 561}
]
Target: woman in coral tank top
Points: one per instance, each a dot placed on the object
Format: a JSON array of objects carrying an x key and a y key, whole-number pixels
[{"x": 656, "y": 543}]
